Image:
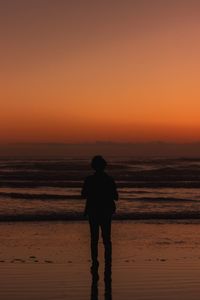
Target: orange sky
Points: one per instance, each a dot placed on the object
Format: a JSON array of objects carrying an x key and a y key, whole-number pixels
[{"x": 75, "y": 71}]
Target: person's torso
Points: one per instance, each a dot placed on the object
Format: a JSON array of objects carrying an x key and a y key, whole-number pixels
[{"x": 100, "y": 193}]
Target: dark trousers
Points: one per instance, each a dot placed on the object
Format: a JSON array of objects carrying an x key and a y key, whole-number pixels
[{"x": 104, "y": 223}]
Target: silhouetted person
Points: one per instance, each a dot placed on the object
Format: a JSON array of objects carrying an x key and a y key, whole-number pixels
[{"x": 100, "y": 191}]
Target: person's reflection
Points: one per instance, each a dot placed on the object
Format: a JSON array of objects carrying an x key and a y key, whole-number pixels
[
  {"x": 94, "y": 285},
  {"x": 107, "y": 283}
]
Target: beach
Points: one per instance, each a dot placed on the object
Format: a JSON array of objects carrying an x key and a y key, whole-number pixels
[
  {"x": 51, "y": 260},
  {"x": 45, "y": 242}
]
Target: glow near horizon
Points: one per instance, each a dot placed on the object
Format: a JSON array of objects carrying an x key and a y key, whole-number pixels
[{"x": 115, "y": 71}]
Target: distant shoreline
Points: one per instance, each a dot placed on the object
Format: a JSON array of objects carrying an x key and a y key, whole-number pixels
[
  {"x": 187, "y": 217},
  {"x": 146, "y": 149}
]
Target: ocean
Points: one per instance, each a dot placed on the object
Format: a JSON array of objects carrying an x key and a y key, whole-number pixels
[{"x": 149, "y": 188}]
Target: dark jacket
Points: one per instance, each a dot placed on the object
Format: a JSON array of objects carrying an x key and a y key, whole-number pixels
[{"x": 101, "y": 193}]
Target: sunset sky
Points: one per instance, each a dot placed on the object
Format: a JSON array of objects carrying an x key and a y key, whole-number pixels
[{"x": 82, "y": 71}]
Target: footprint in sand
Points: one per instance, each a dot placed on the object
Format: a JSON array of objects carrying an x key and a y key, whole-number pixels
[
  {"x": 48, "y": 261},
  {"x": 16, "y": 260},
  {"x": 33, "y": 258}
]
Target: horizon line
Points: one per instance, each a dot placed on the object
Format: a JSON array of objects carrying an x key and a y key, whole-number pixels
[{"x": 101, "y": 143}]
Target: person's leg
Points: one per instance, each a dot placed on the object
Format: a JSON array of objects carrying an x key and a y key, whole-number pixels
[
  {"x": 94, "y": 233},
  {"x": 106, "y": 235}
]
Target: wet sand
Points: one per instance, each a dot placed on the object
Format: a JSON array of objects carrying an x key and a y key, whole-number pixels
[{"x": 50, "y": 260}]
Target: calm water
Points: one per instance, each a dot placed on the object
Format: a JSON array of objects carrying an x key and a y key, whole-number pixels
[{"x": 148, "y": 188}]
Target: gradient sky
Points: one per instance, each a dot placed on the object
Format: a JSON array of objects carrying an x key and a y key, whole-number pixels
[{"x": 81, "y": 71}]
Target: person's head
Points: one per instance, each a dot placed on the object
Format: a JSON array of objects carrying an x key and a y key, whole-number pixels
[{"x": 98, "y": 163}]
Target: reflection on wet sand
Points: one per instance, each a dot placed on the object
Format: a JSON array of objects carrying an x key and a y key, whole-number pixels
[{"x": 107, "y": 283}]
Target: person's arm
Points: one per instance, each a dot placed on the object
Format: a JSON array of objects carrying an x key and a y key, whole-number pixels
[
  {"x": 116, "y": 195},
  {"x": 115, "y": 192},
  {"x": 84, "y": 190}
]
